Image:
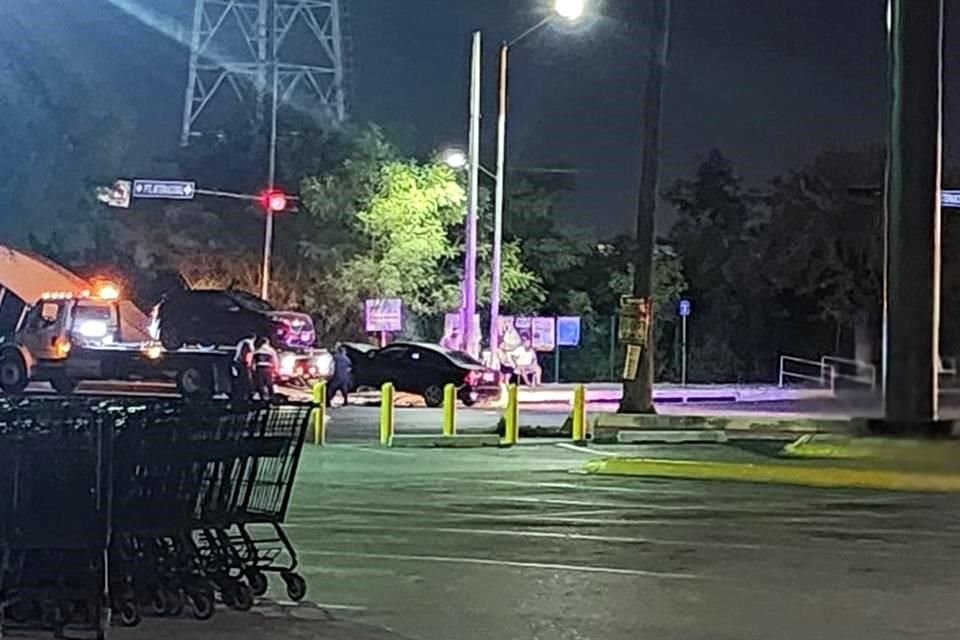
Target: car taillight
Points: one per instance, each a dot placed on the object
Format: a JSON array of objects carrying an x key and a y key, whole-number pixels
[{"x": 473, "y": 377}]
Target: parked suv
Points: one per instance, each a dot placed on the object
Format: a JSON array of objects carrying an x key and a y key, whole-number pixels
[{"x": 216, "y": 317}]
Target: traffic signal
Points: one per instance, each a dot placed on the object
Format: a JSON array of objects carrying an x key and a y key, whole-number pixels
[{"x": 274, "y": 201}]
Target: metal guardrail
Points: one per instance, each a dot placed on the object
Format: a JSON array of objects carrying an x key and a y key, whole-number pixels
[
  {"x": 947, "y": 366},
  {"x": 866, "y": 372},
  {"x": 825, "y": 376},
  {"x": 831, "y": 369}
]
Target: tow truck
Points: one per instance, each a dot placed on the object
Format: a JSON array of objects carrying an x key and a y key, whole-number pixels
[{"x": 68, "y": 337}]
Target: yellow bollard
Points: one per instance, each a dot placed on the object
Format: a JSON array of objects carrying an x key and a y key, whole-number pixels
[
  {"x": 450, "y": 410},
  {"x": 580, "y": 413},
  {"x": 386, "y": 414},
  {"x": 512, "y": 417},
  {"x": 320, "y": 413}
]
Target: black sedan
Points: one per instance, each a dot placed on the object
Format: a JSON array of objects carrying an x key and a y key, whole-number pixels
[{"x": 423, "y": 369}]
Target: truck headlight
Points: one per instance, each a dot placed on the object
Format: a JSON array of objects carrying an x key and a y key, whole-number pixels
[{"x": 93, "y": 329}]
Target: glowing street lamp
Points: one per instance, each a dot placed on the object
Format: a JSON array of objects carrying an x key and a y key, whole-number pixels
[
  {"x": 570, "y": 9},
  {"x": 454, "y": 158}
]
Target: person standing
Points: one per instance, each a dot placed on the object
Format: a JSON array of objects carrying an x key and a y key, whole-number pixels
[
  {"x": 265, "y": 366},
  {"x": 242, "y": 368},
  {"x": 340, "y": 382}
]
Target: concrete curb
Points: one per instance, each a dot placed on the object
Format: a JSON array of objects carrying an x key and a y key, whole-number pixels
[
  {"x": 672, "y": 436},
  {"x": 609, "y": 428},
  {"x": 808, "y": 476},
  {"x": 464, "y": 441}
]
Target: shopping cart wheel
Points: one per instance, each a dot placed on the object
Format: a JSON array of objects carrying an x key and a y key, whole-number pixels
[
  {"x": 201, "y": 603},
  {"x": 258, "y": 583},
  {"x": 158, "y": 603},
  {"x": 129, "y": 613},
  {"x": 296, "y": 586},
  {"x": 23, "y": 611},
  {"x": 174, "y": 603},
  {"x": 242, "y": 599}
]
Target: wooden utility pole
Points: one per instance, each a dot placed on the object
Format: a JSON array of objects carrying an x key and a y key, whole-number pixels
[
  {"x": 637, "y": 314},
  {"x": 912, "y": 267}
]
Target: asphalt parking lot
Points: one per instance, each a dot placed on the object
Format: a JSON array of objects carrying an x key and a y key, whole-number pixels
[{"x": 512, "y": 543}]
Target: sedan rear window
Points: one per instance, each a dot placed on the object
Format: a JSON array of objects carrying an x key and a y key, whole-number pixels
[{"x": 462, "y": 357}]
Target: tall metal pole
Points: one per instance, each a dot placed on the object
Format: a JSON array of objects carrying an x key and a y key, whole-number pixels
[
  {"x": 498, "y": 211},
  {"x": 470, "y": 268},
  {"x": 638, "y": 391},
  {"x": 272, "y": 169},
  {"x": 192, "y": 76},
  {"x": 683, "y": 345},
  {"x": 912, "y": 267}
]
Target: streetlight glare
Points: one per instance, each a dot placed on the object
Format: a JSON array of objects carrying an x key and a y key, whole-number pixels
[
  {"x": 570, "y": 9},
  {"x": 455, "y": 158}
]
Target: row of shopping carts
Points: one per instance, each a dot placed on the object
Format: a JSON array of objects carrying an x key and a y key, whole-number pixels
[{"x": 123, "y": 507}]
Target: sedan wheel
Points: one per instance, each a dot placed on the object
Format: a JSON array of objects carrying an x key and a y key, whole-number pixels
[{"x": 433, "y": 395}]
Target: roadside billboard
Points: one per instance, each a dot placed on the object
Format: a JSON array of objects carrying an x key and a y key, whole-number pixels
[{"x": 383, "y": 315}]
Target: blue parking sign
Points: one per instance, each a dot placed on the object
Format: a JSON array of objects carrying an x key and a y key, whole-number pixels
[
  {"x": 568, "y": 331},
  {"x": 685, "y": 308}
]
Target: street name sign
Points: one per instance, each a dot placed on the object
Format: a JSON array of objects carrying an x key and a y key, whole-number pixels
[{"x": 165, "y": 189}]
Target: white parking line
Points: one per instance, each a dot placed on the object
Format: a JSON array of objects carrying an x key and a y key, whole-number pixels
[
  {"x": 291, "y": 604},
  {"x": 655, "y": 487},
  {"x": 375, "y": 449},
  {"x": 509, "y": 563},
  {"x": 526, "y": 533},
  {"x": 593, "y": 452}
]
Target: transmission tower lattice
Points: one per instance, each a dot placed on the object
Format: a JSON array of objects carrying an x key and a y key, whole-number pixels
[{"x": 244, "y": 53}]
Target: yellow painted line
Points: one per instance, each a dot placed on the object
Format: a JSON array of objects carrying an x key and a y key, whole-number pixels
[
  {"x": 806, "y": 447},
  {"x": 824, "y": 477},
  {"x": 943, "y": 455}
]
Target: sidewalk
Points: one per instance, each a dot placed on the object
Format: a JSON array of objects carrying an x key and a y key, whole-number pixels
[
  {"x": 610, "y": 393},
  {"x": 667, "y": 393}
]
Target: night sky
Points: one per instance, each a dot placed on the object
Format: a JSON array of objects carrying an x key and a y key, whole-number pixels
[{"x": 769, "y": 83}]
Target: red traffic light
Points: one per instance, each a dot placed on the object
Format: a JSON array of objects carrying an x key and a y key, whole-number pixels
[{"x": 274, "y": 201}]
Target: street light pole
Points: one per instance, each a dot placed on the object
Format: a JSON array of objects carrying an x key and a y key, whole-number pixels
[
  {"x": 470, "y": 267},
  {"x": 498, "y": 212},
  {"x": 638, "y": 386},
  {"x": 570, "y": 10},
  {"x": 272, "y": 170}
]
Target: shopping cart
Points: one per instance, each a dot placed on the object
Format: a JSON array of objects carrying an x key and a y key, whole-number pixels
[
  {"x": 241, "y": 533},
  {"x": 131, "y": 506},
  {"x": 55, "y": 493}
]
